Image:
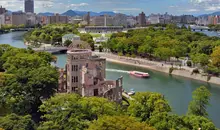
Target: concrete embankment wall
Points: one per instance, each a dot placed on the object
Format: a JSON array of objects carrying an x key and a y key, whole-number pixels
[
  {"x": 187, "y": 74},
  {"x": 158, "y": 67}
]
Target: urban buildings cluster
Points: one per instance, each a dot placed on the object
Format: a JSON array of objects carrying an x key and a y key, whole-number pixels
[
  {"x": 208, "y": 19},
  {"x": 29, "y": 18}
]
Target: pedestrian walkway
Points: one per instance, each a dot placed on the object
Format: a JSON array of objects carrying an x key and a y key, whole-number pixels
[{"x": 143, "y": 61}]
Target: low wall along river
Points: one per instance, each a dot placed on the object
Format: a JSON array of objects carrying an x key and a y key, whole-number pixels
[{"x": 177, "y": 90}]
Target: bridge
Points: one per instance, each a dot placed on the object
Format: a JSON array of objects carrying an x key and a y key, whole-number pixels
[
  {"x": 199, "y": 28},
  {"x": 52, "y": 50},
  {"x": 21, "y": 29}
]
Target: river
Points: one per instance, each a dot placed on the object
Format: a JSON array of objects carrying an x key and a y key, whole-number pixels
[{"x": 177, "y": 90}]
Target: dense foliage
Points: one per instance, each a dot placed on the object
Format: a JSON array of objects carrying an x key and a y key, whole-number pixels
[
  {"x": 28, "y": 78},
  {"x": 15, "y": 122},
  {"x": 28, "y": 102},
  {"x": 51, "y": 33},
  {"x": 164, "y": 43},
  {"x": 200, "y": 101}
]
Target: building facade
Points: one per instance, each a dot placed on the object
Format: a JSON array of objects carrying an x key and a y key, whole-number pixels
[
  {"x": 31, "y": 19},
  {"x": 70, "y": 37},
  {"x": 86, "y": 18},
  {"x": 8, "y": 18},
  {"x": 2, "y": 10},
  {"x": 103, "y": 29},
  {"x": 85, "y": 75},
  {"x": 29, "y": 6},
  {"x": 19, "y": 18},
  {"x": 120, "y": 20},
  {"x": 154, "y": 19},
  {"x": 2, "y": 20},
  {"x": 103, "y": 20},
  {"x": 131, "y": 21},
  {"x": 142, "y": 19},
  {"x": 57, "y": 19}
]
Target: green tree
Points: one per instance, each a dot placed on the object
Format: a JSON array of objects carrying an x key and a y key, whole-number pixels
[
  {"x": 193, "y": 122},
  {"x": 146, "y": 104},
  {"x": 163, "y": 53},
  {"x": 197, "y": 106},
  {"x": 94, "y": 107},
  {"x": 70, "y": 111},
  {"x": 63, "y": 112},
  {"x": 164, "y": 121},
  {"x": 201, "y": 59},
  {"x": 118, "y": 123},
  {"x": 23, "y": 92},
  {"x": 215, "y": 57},
  {"x": 15, "y": 122},
  {"x": 67, "y": 43}
]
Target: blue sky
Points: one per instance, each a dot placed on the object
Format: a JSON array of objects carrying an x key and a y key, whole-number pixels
[{"x": 176, "y": 7}]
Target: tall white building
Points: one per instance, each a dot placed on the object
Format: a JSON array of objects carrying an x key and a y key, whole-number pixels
[
  {"x": 131, "y": 21},
  {"x": 31, "y": 19},
  {"x": 154, "y": 18}
]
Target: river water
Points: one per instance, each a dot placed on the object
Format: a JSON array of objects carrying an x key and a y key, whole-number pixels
[{"x": 177, "y": 90}]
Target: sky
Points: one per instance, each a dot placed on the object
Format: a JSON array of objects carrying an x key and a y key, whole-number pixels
[{"x": 133, "y": 7}]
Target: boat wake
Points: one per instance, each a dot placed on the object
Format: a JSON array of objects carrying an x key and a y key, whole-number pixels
[{"x": 115, "y": 70}]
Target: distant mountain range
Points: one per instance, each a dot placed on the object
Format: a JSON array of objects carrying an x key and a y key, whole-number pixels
[
  {"x": 215, "y": 13},
  {"x": 79, "y": 13}
]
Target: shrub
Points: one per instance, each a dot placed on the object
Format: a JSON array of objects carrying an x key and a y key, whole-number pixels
[
  {"x": 189, "y": 63},
  {"x": 171, "y": 70},
  {"x": 133, "y": 55},
  {"x": 195, "y": 71},
  {"x": 128, "y": 55},
  {"x": 120, "y": 54}
]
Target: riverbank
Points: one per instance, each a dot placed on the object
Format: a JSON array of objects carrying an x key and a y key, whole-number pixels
[
  {"x": 41, "y": 45},
  {"x": 157, "y": 66}
]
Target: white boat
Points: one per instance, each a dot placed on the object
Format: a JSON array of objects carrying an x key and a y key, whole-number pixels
[
  {"x": 139, "y": 74},
  {"x": 132, "y": 92}
]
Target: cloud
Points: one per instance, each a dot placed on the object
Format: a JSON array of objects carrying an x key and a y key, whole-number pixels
[
  {"x": 127, "y": 9},
  {"x": 78, "y": 5},
  {"x": 192, "y": 10},
  {"x": 174, "y": 6},
  {"x": 207, "y": 5}
]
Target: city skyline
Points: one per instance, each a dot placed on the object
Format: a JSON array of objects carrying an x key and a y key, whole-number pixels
[{"x": 175, "y": 7}]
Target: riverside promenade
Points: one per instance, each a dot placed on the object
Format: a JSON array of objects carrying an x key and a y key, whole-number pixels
[{"x": 182, "y": 71}]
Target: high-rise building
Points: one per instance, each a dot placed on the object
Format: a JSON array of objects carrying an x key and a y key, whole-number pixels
[
  {"x": 88, "y": 18},
  {"x": 142, "y": 19},
  {"x": 2, "y": 10},
  {"x": 29, "y": 6}
]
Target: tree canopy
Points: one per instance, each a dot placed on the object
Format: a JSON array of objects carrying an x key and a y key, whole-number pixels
[
  {"x": 118, "y": 123},
  {"x": 172, "y": 41},
  {"x": 200, "y": 101},
  {"x": 15, "y": 122},
  {"x": 50, "y": 33},
  {"x": 28, "y": 78}
]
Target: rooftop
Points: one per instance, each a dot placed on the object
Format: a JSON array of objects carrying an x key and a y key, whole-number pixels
[
  {"x": 70, "y": 35},
  {"x": 78, "y": 51}
]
